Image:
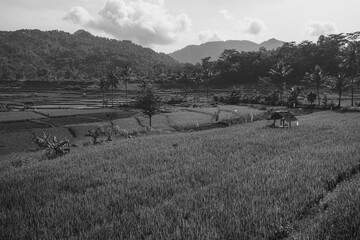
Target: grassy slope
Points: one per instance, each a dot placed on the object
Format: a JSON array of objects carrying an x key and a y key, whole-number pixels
[{"x": 243, "y": 182}]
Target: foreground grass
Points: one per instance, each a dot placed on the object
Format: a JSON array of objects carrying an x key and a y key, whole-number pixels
[{"x": 243, "y": 182}]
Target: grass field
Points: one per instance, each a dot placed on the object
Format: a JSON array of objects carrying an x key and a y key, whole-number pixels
[{"x": 243, "y": 182}]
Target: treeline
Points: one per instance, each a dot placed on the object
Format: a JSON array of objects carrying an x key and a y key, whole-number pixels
[
  {"x": 34, "y": 55},
  {"x": 333, "y": 61},
  {"x": 328, "y": 52}
]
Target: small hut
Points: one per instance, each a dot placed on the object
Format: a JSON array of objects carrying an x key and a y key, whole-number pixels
[{"x": 285, "y": 118}]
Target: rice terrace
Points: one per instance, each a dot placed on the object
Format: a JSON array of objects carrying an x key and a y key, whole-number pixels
[{"x": 106, "y": 139}]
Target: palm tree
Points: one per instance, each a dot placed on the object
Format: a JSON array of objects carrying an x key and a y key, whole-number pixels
[
  {"x": 278, "y": 77},
  {"x": 317, "y": 78},
  {"x": 207, "y": 73},
  {"x": 350, "y": 63},
  {"x": 103, "y": 85},
  {"x": 125, "y": 74},
  {"x": 340, "y": 83},
  {"x": 112, "y": 82},
  {"x": 197, "y": 78},
  {"x": 185, "y": 78}
]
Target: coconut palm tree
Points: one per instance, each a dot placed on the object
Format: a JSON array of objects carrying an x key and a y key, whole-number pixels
[
  {"x": 125, "y": 74},
  {"x": 278, "y": 77},
  {"x": 340, "y": 83},
  {"x": 316, "y": 78},
  {"x": 103, "y": 85},
  {"x": 207, "y": 73},
  {"x": 112, "y": 82}
]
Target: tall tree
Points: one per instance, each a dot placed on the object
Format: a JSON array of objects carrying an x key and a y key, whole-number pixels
[
  {"x": 207, "y": 73},
  {"x": 125, "y": 74},
  {"x": 148, "y": 101},
  {"x": 278, "y": 77},
  {"x": 340, "y": 83},
  {"x": 350, "y": 64},
  {"x": 328, "y": 52},
  {"x": 316, "y": 78},
  {"x": 186, "y": 76},
  {"x": 196, "y": 76},
  {"x": 112, "y": 81},
  {"x": 103, "y": 85}
]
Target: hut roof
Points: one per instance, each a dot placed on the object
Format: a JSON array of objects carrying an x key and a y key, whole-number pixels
[{"x": 288, "y": 116}]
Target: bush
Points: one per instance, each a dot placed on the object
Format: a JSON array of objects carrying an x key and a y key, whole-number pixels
[
  {"x": 5, "y": 108},
  {"x": 325, "y": 100},
  {"x": 272, "y": 99},
  {"x": 234, "y": 97},
  {"x": 176, "y": 100},
  {"x": 95, "y": 134}
]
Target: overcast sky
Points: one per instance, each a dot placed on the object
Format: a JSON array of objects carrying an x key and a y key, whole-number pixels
[{"x": 169, "y": 25}]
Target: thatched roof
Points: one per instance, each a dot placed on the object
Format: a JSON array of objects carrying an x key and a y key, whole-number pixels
[{"x": 288, "y": 116}]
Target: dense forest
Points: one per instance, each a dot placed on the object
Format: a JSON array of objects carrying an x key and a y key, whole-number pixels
[{"x": 59, "y": 56}]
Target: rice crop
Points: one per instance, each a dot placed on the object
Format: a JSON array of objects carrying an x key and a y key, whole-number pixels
[{"x": 243, "y": 182}]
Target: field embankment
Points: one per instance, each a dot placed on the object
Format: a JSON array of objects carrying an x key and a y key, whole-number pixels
[{"x": 242, "y": 182}]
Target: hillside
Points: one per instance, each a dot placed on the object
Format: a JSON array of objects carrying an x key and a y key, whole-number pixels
[
  {"x": 194, "y": 53},
  {"x": 243, "y": 182},
  {"x": 57, "y": 55}
]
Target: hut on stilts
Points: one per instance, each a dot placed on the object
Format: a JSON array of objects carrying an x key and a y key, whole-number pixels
[{"x": 285, "y": 118}]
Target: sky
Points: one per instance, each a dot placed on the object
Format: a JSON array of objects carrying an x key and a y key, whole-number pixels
[{"x": 169, "y": 25}]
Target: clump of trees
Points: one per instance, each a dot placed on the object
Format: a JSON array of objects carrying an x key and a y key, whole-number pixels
[{"x": 112, "y": 80}]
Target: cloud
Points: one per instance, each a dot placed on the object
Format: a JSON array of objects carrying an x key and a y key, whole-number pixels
[
  {"x": 315, "y": 28},
  {"x": 146, "y": 22},
  {"x": 253, "y": 26},
  {"x": 226, "y": 14},
  {"x": 209, "y": 36},
  {"x": 79, "y": 15}
]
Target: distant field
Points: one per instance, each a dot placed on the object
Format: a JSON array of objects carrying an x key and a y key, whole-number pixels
[
  {"x": 72, "y": 112},
  {"x": 19, "y": 116},
  {"x": 243, "y": 182}
]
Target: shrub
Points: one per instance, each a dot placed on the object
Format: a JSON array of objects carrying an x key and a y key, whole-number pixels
[
  {"x": 272, "y": 99},
  {"x": 176, "y": 100},
  {"x": 325, "y": 100},
  {"x": 234, "y": 97},
  {"x": 95, "y": 134},
  {"x": 5, "y": 108}
]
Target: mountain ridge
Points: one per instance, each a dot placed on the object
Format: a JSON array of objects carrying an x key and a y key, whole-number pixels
[{"x": 194, "y": 53}]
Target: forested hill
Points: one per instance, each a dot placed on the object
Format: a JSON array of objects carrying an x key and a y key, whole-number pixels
[
  {"x": 57, "y": 55},
  {"x": 194, "y": 53}
]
